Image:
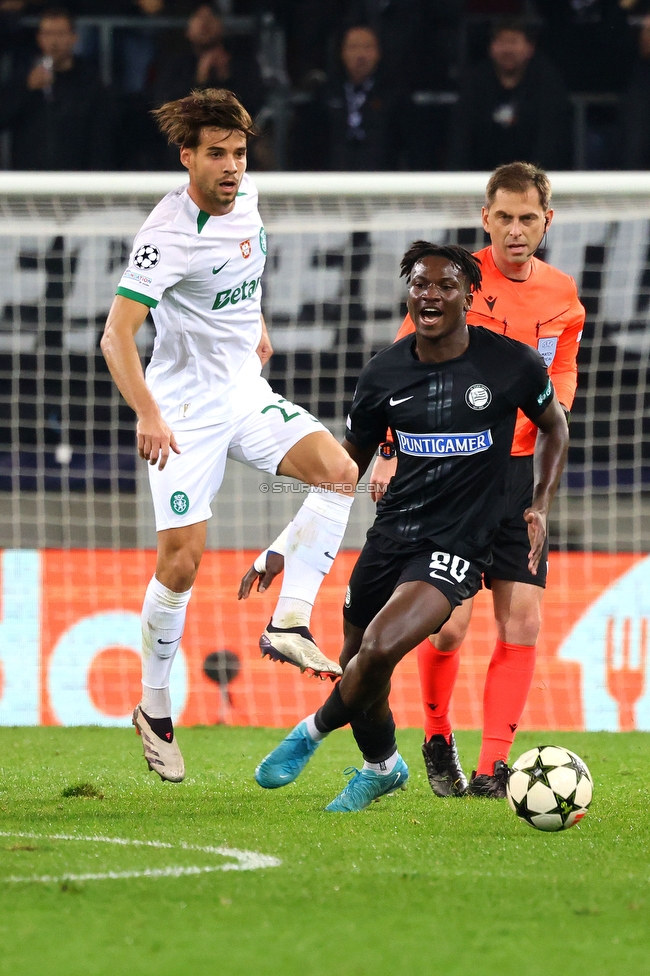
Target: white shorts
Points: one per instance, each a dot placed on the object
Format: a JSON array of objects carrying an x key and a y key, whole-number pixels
[{"x": 259, "y": 437}]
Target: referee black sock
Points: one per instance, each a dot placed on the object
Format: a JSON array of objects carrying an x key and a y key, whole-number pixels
[
  {"x": 333, "y": 714},
  {"x": 376, "y": 740}
]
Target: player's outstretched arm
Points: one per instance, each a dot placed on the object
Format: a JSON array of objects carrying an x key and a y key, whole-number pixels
[
  {"x": 550, "y": 457},
  {"x": 155, "y": 439},
  {"x": 270, "y": 562}
]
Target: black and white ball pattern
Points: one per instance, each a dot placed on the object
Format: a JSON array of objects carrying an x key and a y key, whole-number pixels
[
  {"x": 550, "y": 788},
  {"x": 147, "y": 257}
]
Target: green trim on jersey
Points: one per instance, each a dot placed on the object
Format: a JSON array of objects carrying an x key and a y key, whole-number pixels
[
  {"x": 135, "y": 296},
  {"x": 201, "y": 220},
  {"x": 240, "y": 193}
]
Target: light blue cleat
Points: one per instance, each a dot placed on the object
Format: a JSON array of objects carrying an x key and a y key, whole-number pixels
[
  {"x": 367, "y": 785},
  {"x": 288, "y": 760}
]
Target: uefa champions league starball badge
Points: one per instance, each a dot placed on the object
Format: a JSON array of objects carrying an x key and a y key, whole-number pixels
[{"x": 146, "y": 257}]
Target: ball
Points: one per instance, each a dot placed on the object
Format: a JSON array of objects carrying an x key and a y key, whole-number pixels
[{"x": 550, "y": 788}]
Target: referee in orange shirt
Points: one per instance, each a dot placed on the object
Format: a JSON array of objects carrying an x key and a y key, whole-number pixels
[{"x": 525, "y": 299}]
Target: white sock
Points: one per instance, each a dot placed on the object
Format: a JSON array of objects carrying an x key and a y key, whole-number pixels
[
  {"x": 313, "y": 731},
  {"x": 317, "y": 529},
  {"x": 163, "y": 620},
  {"x": 385, "y": 767},
  {"x": 291, "y": 612},
  {"x": 156, "y": 702}
]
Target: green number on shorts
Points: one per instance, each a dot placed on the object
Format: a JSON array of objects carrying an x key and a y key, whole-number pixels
[
  {"x": 287, "y": 416},
  {"x": 179, "y": 503}
]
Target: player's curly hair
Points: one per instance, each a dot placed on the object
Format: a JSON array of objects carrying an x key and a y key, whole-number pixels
[
  {"x": 181, "y": 121},
  {"x": 466, "y": 263}
]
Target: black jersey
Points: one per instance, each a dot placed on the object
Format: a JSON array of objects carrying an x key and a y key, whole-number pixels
[{"x": 452, "y": 424}]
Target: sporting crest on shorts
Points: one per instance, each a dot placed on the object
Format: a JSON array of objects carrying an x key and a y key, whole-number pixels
[
  {"x": 246, "y": 249},
  {"x": 179, "y": 503}
]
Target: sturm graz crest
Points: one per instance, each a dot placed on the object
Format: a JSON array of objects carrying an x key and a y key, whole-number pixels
[
  {"x": 478, "y": 397},
  {"x": 146, "y": 257}
]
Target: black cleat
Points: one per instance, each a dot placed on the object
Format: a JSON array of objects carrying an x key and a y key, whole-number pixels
[
  {"x": 492, "y": 787},
  {"x": 444, "y": 771}
]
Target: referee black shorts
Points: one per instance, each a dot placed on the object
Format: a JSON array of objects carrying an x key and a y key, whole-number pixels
[
  {"x": 511, "y": 546},
  {"x": 378, "y": 573}
]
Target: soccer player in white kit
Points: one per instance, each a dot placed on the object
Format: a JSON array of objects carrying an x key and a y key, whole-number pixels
[{"x": 197, "y": 265}]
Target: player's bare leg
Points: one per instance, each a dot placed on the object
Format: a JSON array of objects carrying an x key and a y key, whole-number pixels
[
  {"x": 163, "y": 620},
  {"x": 438, "y": 660},
  {"x": 517, "y": 610},
  {"x": 311, "y": 545}
]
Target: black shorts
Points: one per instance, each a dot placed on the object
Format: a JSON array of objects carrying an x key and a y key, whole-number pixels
[
  {"x": 377, "y": 574},
  {"x": 511, "y": 546}
]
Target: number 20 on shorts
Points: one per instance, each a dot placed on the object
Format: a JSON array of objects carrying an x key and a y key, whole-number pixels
[{"x": 444, "y": 562}]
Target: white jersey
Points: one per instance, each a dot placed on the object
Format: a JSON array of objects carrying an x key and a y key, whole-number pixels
[{"x": 201, "y": 277}]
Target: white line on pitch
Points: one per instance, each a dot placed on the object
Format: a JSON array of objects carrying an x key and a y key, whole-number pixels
[{"x": 245, "y": 860}]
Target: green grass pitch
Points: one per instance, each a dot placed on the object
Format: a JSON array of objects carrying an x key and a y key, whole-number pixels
[{"x": 413, "y": 885}]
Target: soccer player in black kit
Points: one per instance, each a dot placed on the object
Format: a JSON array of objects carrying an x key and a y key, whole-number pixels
[{"x": 450, "y": 395}]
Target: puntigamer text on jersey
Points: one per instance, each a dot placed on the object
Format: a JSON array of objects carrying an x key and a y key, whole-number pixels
[{"x": 444, "y": 445}]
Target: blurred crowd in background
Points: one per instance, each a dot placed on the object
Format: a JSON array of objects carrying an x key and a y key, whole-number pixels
[{"x": 333, "y": 84}]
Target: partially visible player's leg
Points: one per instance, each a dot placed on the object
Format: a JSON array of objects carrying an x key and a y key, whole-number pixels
[
  {"x": 284, "y": 439},
  {"x": 517, "y": 609},
  {"x": 517, "y": 599},
  {"x": 163, "y": 622},
  {"x": 285, "y": 763},
  {"x": 361, "y": 698},
  {"x": 314, "y": 538},
  {"x": 438, "y": 660},
  {"x": 181, "y": 495}
]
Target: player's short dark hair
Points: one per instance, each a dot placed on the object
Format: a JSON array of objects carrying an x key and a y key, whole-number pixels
[
  {"x": 519, "y": 178},
  {"x": 56, "y": 13},
  {"x": 360, "y": 26},
  {"x": 181, "y": 121},
  {"x": 517, "y": 24},
  {"x": 466, "y": 263}
]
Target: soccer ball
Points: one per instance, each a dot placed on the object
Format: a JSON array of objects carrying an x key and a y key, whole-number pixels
[{"x": 550, "y": 788}]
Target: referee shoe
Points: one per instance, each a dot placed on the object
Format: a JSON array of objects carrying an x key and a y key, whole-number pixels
[
  {"x": 295, "y": 645},
  {"x": 491, "y": 787},
  {"x": 162, "y": 757},
  {"x": 366, "y": 786},
  {"x": 444, "y": 771}
]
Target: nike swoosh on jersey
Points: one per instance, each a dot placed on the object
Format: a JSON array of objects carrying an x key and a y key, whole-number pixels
[
  {"x": 168, "y": 642},
  {"x": 328, "y": 555},
  {"x": 393, "y": 403},
  {"x": 443, "y": 578},
  {"x": 217, "y": 270}
]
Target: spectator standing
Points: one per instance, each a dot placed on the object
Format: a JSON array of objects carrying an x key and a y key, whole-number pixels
[
  {"x": 211, "y": 62},
  {"x": 353, "y": 122},
  {"x": 513, "y": 106},
  {"x": 58, "y": 113}
]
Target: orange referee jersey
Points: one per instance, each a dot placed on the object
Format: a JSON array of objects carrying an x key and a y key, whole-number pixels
[{"x": 544, "y": 312}]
